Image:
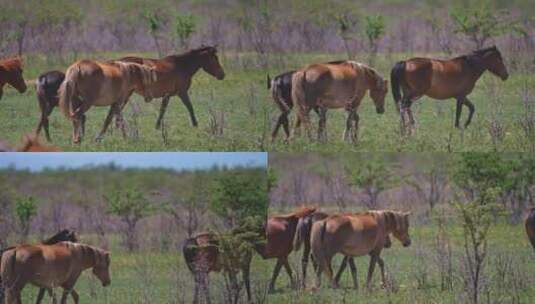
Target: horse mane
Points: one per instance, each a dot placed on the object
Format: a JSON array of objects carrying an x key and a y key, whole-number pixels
[
  {"x": 11, "y": 63},
  {"x": 303, "y": 211},
  {"x": 192, "y": 52},
  {"x": 63, "y": 235},
  {"x": 474, "y": 57},
  {"x": 148, "y": 74}
]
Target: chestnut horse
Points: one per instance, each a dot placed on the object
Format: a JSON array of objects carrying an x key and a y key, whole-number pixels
[
  {"x": 529, "y": 223},
  {"x": 11, "y": 73},
  {"x": 91, "y": 83},
  {"x": 356, "y": 235},
  {"x": 443, "y": 79},
  {"x": 281, "y": 92},
  {"x": 280, "y": 233},
  {"x": 175, "y": 75},
  {"x": 30, "y": 143},
  {"x": 47, "y": 87},
  {"x": 62, "y": 236},
  {"x": 201, "y": 253},
  {"x": 302, "y": 236},
  {"x": 335, "y": 85}
]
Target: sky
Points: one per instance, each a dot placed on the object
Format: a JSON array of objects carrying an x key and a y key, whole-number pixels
[{"x": 171, "y": 160}]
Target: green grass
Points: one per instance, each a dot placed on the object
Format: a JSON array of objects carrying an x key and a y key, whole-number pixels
[
  {"x": 249, "y": 115},
  {"x": 162, "y": 277}
]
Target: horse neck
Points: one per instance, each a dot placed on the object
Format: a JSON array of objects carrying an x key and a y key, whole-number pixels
[
  {"x": 189, "y": 63},
  {"x": 371, "y": 77},
  {"x": 88, "y": 256},
  {"x": 390, "y": 226}
]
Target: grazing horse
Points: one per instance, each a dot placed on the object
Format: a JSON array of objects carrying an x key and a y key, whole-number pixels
[
  {"x": 175, "y": 74},
  {"x": 280, "y": 233},
  {"x": 335, "y": 85},
  {"x": 302, "y": 236},
  {"x": 47, "y": 88},
  {"x": 443, "y": 79},
  {"x": 281, "y": 92},
  {"x": 62, "y": 236},
  {"x": 30, "y": 143},
  {"x": 530, "y": 226},
  {"x": 91, "y": 83},
  {"x": 202, "y": 256},
  {"x": 356, "y": 235},
  {"x": 11, "y": 73}
]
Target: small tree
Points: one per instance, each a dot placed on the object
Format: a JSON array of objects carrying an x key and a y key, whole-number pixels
[
  {"x": 185, "y": 27},
  {"x": 25, "y": 209},
  {"x": 155, "y": 23},
  {"x": 373, "y": 177},
  {"x": 375, "y": 29},
  {"x": 130, "y": 206},
  {"x": 346, "y": 28}
]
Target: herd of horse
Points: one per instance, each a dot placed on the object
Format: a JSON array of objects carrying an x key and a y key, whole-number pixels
[
  {"x": 60, "y": 260},
  {"x": 319, "y": 87}
]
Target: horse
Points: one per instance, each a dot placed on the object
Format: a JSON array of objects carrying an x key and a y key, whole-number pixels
[
  {"x": 443, "y": 79},
  {"x": 334, "y": 85},
  {"x": 47, "y": 88},
  {"x": 175, "y": 74},
  {"x": 302, "y": 237},
  {"x": 356, "y": 235},
  {"x": 202, "y": 256},
  {"x": 281, "y": 93},
  {"x": 280, "y": 233},
  {"x": 92, "y": 83},
  {"x": 30, "y": 143},
  {"x": 529, "y": 223},
  {"x": 11, "y": 73}
]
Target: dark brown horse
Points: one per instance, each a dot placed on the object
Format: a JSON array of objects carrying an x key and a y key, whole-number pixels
[
  {"x": 175, "y": 74},
  {"x": 302, "y": 237},
  {"x": 280, "y": 233},
  {"x": 48, "y": 266},
  {"x": 202, "y": 256},
  {"x": 529, "y": 223},
  {"x": 443, "y": 79},
  {"x": 62, "y": 236},
  {"x": 336, "y": 85},
  {"x": 11, "y": 73},
  {"x": 47, "y": 87}
]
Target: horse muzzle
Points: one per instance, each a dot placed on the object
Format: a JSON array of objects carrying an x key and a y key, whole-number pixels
[
  {"x": 504, "y": 77},
  {"x": 407, "y": 243},
  {"x": 220, "y": 76},
  {"x": 380, "y": 110},
  {"x": 105, "y": 284}
]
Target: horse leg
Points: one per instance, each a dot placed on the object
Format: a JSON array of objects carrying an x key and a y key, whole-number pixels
[
  {"x": 356, "y": 119},
  {"x": 41, "y": 294},
  {"x": 289, "y": 272},
  {"x": 347, "y": 131},
  {"x": 322, "y": 132},
  {"x": 373, "y": 260},
  {"x": 275, "y": 275},
  {"x": 471, "y": 108},
  {"x": 107, "y": 122},
  {"x": 163, "y": 108},
  {"x": 412, "y": 121},
  {"x": 42, "y": 123},
  {"x": 187, "y": 102},
  {"x": 382, "y": 267},
  {"x": 343, "y": 266},
  {"x": 353, "y": 269},
  {"x": 196, "y": 292},
  {"x": 280, "y": 122},
  {"x": 64, "y": 296},
  {"x": 304, "y": 264},
  {"x": 246, "y": 279},
  {"x": 458, "y": 110}
]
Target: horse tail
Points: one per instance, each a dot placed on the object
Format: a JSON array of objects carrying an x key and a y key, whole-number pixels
[
  {"x": 299, "y": 93},
  {"x": 396, "y": 77},
  {"x": 67, "y": 90},
  {"x": 322, "y": 231},
  {"x": 303, "y": 226},
  {"x": 7, "y": 269},
  {"x": 189, "y": 250}
]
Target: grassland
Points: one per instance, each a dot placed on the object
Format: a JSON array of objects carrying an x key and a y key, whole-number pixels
[
  {"x": 241, "y": 107},
  {"x": 162, "y": 277}
]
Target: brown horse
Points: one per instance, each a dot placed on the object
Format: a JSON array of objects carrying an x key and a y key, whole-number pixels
[
  {"x": 280, "y": 233},
  {"x": 202, "y": 256},
  {"x": 11, "y": 73},
  {"x": 443, "y": 79},
  {"x": 175, "y": 74},
  {"x": 529, "y": 223},
  {"x": 335, "y": 85},
  {"x": 30, "y": 143},
  {"x": 91, "y": 83},
  {"x": 62, "y": 236},
  {"x": 47, "y": 88},
  {"x": 356, "y": 235},
  {"x": 302, "y": 237},
  {"x": 48, "y": 266}
]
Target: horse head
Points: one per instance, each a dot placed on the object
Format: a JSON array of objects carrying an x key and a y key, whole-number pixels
[
  {"x": 397, "y": 223},
  {"x": 12, "y": 70},
  {"x": 209, "y": 61},
  {"x": 101, "y": 269},
  {"x": 492, "y": 60}
]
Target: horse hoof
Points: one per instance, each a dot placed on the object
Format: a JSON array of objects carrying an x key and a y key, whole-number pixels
[{"x": 98, "y": 139}]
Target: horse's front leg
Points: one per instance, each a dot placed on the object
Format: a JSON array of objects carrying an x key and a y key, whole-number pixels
[
  {"x": 41, "y": 294},
  {"x": 349, "y": 126},
  {"x": 107, "y": 122},
  {"x": 163, "y": 108},
  {"x": 289, "y": 272},
  {"x": 373, "y": 260},
  {"x": 187, "y": 102},
  {"x": 322, "y": 124},
  {"x": 275, "y": 275},
  {"x": 382, "y": 267},
  {"x": 458, "y": 110},
  {"x": 353, "y": 269},
  {"x": 471, "y": 108},
  {"x": 343, "y": 266}
]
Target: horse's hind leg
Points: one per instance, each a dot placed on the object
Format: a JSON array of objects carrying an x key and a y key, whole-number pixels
[
  {"x": 41, "y": 294},
  {"x": 373, "y": 260},
  {"x": 343, "y": 266},
  {"x": 382, "y": 267},
  {"x": 275, "y": 275},
  {"x": 163, "y": 108},
  {"x": 107, "y": 122},
  {"x": 458, "y": 110},
  {"x": 186, "y": 101},
  {"x": 322, "y": 132},
  {"x": 289, "y": 272},
  {"x": 471, "y": 108}
]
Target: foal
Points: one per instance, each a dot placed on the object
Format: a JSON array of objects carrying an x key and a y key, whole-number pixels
[
  {"x": 11, "y": 73},
  {"x": 443, "y": 79},
  {"x": 336, "y": 85},
  {"x": 47, "y": 88},
  {"x": 48, "y": 266}
]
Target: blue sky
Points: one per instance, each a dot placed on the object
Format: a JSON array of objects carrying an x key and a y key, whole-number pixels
[{"x": 172, "y": 160}]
